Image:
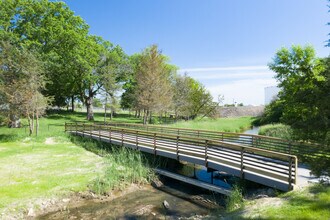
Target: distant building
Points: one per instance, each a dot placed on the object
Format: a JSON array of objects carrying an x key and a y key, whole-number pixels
[{"x": 271, "y": 93}]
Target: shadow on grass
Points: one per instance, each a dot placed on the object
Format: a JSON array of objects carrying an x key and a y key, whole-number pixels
[{"x": 8, "y": 137}]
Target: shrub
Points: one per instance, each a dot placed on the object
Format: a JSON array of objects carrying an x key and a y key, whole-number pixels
[
  {"x": 235, "y": 199},
  {"x": 276, "y": 130}
]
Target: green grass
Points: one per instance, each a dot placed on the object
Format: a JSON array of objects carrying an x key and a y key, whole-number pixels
[
  {"x": 30, "y": 170},
  {"x": 218, "y": 124},
  {"x": 48, "y": 166},
  {"x": 276, "y": 130},
  {"x": 309, "y": 203}
]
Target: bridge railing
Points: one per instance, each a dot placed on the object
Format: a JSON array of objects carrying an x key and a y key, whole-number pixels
[
  {"x": 303, "y": 150},
  {"x": 271, "y": 168}
]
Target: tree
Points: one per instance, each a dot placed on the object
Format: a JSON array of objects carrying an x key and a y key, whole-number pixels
[
  {"x": 106, "y": 64},
  {"x": 21, "y": 82},
  {"x": 58, "y": 36},
  {"x": 301, "y": 78},
  {"x": 153, "y": 82},
  {"x": 191, "y": 98},
  {"x": 304, "y": 82}
]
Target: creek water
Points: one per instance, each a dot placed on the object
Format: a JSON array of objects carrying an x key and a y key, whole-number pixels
[
  {"x": 185, "y": 201},
  {"x": 147, "y": 203}
]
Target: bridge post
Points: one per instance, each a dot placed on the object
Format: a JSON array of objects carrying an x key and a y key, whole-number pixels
[
  {"x": 290, "y": 173},
  {"x": 137, "y": 140},
  {"x": 110, "y": 134},
  {"x": 100, "y": 132},
  {"x": 242, "y": 162},
  {"x": 177, "y": 147},
  {"x": 155, "y": 144},
  {"x": 122, "y": 137},
  {"x": 206, "y": 157}
]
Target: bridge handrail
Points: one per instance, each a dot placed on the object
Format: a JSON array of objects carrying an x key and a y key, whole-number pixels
[
  {"x": 286, "y": 146},
  {"x": 187, "y": 138}
]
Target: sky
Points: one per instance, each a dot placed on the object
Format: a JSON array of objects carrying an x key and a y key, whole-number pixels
[{"x": 224, "y": 44}]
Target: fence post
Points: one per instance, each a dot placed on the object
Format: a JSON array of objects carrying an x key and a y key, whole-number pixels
[
  {"x": 122, "y": 137},
  {"x": 177, "y": 147},
  {"x": 290, "y": 146},
  {"x": 83, "y": 129},
  {"x": 99, "y": 132},
  {"x": 155, "y": 144},
  {"x": 65, "y": 126},
  {"x": 137, "y": 140},
  {"x": 290, "y": 173},
  {"x": 206, "y": 157},
  {"x": 242, "y": 162},
  {"x": 110, "y": 134},
  {"x": 76, "y": 129}
]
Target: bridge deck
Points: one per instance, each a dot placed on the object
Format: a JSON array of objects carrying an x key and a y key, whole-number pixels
[{"x": 269, "y": 168}]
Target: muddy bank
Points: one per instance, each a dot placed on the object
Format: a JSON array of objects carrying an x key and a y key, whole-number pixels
[{"x": 138, "y": 202}]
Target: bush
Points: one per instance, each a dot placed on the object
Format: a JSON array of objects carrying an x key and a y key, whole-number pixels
[
  {"x": 276, "y": 130},
  {"x": 234, "y": 200},
  {"x": 273, "y": 114}
]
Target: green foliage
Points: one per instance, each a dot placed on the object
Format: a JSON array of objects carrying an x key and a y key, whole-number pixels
[
  {"x": 153, "y": 91},
  {"x": 235, "y": 200},
  {"x": 304, "y": 80},
  {"x": 276, "y": 130},
  {"x": 272, "y": 113},
  {"x": 191, "y": 98},
  {"x": 123, "y": 167},
  {"x": 304, "y": 95}
]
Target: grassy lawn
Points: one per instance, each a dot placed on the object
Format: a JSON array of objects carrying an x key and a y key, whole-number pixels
[
  {"x": 31, "y": 170},
  {"x": 50, "y": 166},
  {"x": 308, "y": 203},
  {"x": 218, "y": 124}
]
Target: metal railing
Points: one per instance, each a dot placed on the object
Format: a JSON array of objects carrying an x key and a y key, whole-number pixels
[
  {"x": 267, "y": 167},
  {"x": 302, "y": 150}
]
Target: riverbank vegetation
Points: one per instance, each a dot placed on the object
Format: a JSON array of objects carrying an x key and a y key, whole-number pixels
[
  {"x": 276, "y": 130},
  {"x": 312, "y": 202}
]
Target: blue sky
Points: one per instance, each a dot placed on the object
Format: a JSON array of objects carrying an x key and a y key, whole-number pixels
[{"x": 225, "y": 44}]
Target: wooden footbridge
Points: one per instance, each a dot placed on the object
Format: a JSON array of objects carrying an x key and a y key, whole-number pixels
[{"x": 260, "y": 159}]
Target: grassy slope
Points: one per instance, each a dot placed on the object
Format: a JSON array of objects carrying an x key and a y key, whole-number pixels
[
  {"x": 219, "y": 124},
  {"x": 308, "y": 203},
  {"x": 47, "y": 166}
]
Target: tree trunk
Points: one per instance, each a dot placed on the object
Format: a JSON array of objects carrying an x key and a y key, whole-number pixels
[
  {"x": 30, "y": 121},
  {"x": 145, "y": 117},
  {"x": 105, "y": 110},
  {"x": 14, "y": 121},
  {"x": 111, "y": 114},
  {"x": 37, "y": 122},
  {"x": 150, "y": 117},
  {"x": 72, "y": 103},
  {"x": 136, "y": 114},
  {"x": 89, "y": 106},
  {"x": 139, "y": 113}
]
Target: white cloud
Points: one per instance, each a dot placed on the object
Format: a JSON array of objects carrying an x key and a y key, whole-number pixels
[
  {"x": 235, "y": 68},
  {"x": 245, "y": 91},
  {"x": 238, "y": 83}
]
